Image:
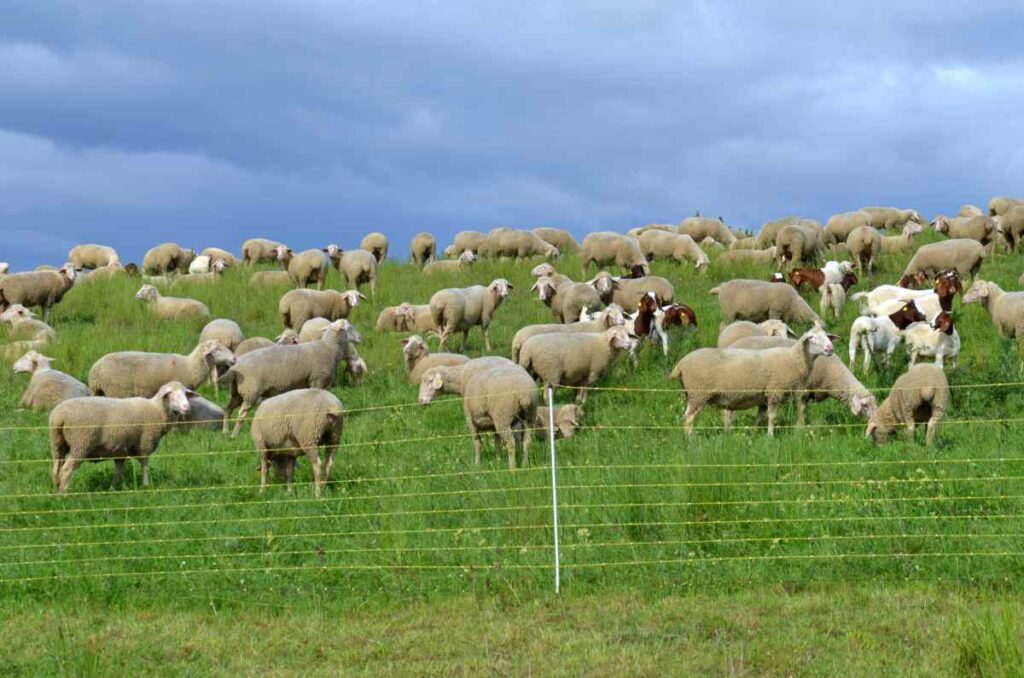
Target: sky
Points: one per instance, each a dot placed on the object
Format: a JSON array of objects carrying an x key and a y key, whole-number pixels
[{"x": 205, "y": 123}]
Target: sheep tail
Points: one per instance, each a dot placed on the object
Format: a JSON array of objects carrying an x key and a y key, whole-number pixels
[{"x": 715, "y": 290}]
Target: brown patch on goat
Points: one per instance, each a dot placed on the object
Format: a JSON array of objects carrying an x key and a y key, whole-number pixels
[
  {"x": 908, "y": 313},
  {"x": 815, "y": 277},
  {"x": 913, "y": 281},
  {"x": 679, "y": 314},
  {"x": 944, "y": 323}
]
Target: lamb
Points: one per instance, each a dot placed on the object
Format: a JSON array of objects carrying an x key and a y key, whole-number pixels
[
  {"x": 37, "y": 288},
  {"x": 797, "y": 243},
  {"x": 112, "y": 428},
  {"x": 508, "y": 242},
  {"x": 355, "y": 266},
  {"x": 567, "y": 300},
  {"x": 465, "y": 260},
  {"x": 610, "y": 317},
  {"x": 675, "y": 246},
  {"x": 423, "y": 248},
  {"x": 47, "y": 387},
  {"x": 135, "y": 373},
  {"x": 567, "y": 418},
  {"x": 751, "y": 257},
  {"x": 739, "y": 379},
  {"x": 903, "y": 242},
  {"x": 700, "y": 228},
  {"x": 298, "y": 306},
  {"x": 1005, "y": 308},
  {"x": 558, "y": 238},
  {"x": 460, "y": 309},
  {"x": 1011, "y": 224},
  {"x": 171, "y": 308},
  {"x": 626, "y": 292},
  {"x": 757, "y": 300},
  {"x": 938, "y": 339},
  {"x": 166, "y": 259},
  {"x": 376, "y": 244},
  {"x": 277, "y": 369},
  {"x": 405, "y": 317},
  {"x": 466, "y": 240},
  {"x": 1001, "y": 205},
  {"x": 881, "y": 333},
  {"x": 839, "y": 226},
  {"x": 741, "y": 329},
  {"x": 256, "y": 250},
  {"x": 93, "y": 256},
  {"x": 288, "y": 337},
  {"x": 921, "y": 394},
  {"x": 605, "y": 248},
  {"x": 270, "y": 279},
  {"x": 417, "y": 358},
  {"x": 983, "y": 228},
  {"x": 891, "y": 218},
  {"x": 217, "y": 254},
  {"x": 865, "y": 245},
  {"x": 304, "y": 268},
  {"x": 963, "y": 255},
  {"x": 575, "y": 359},
  {"x": 297, "y": 422}
]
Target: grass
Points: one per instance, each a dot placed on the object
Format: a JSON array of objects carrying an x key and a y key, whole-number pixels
[{"x": 646, "y": 514}]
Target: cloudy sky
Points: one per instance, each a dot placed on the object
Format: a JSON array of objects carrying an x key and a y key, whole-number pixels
[{"x": 207, "y": 122}]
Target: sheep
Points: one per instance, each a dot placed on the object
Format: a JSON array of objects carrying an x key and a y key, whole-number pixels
[
  {"x": 509, "y": 242},
  {"x": 402, "y": 318},
  {"x": 288, "y": 337},
  {"x": 969, "y": 211},
  {"x": 298, "y": 306},
  {"x": 256, "y": 250},
  {"x": 313, "y": 330},
  {"x": 567, "y": 300},
  {"x": 166, "y": 259},
  {"x": 981, "y": 228},
  {"x": 465, "y": 260},
  {"x": 832, "y": 297},
  {"x": 1001, "y": 205},
  {"x": 626, "y": 292},
  {"x": 743, "y": 257},
  {"x": 1006, "y": 309},
  {"x": 136, "y": 373},
  {"x": 465, "y": 240},
  {"x": 567, "y": 418},
  {"x": 109, "y": 272},
  {"x": 460, "y": 309},
  {"x": 453, "y": 378},
  {"x": 171, "y": 308},
  {"x": 202, "y": 414},
  {"x": 700, "y": 228},
  {"x": 417, "y": 358},
  {"x": 574, "y": 359},
  {"x": 921, "y": 394},
  {"x": 306, "y": 267},
  {"x": 355, "y": 266},
  {"x": 277, "y": 369},
  {"x": 423, "y": 248},
  {"x": 865, "y": 245},
  {"x": 93, "y": 256},
  {"x": 881, "y": 332},
  {"x": 4, "y": 267},
  {"x": 217, "y": 254},
  {"x": 839, "y": 226},
  {"x": 24, "y": 325},
  {"x": 270, "y": 279},
  {"x": 94, "y": 429},
  {"x": 546, "y": 270},
  {"x": 739, "y": 379},
  {"x": 891, "y": 218},
  {"x": 605, "y": 248},
  {"x": 966, "y": 256},
  {"x": 376, "y": 244},
  {"x": 214, "y": 275},
  {"x": 938, "y": 339},
  {"x": 610, "y": 317},
  {"x": 47, "y": 387},
  {"x": 556, "y": 237},
  {"x": 201, "y": 264},
  {"x": 766, "y": 236},
  {"x": 903, "y": 242},
  {"x": 640, "y": 230},
  {"x": 797, "y": 243},
  {"x": 741, "y": 329},
  {"x": 504, "y": 400},
  {"x": 37, "y": 288},
  {"x": 1011, "y": 224},
  {"x": 298, "y": 422},
  {"x": 665, "y": 245},
  {"x": 757, "y": 300}
]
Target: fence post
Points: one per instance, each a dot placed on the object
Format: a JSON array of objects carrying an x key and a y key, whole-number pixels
[{"x": 554, "y": 488}]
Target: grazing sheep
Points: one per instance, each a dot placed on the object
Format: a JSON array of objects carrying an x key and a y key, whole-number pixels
[
  {"x": 567, "y": 300},
  {"x": 277, "y": 369},
  {"x": 48, "y": 387},
  {"x": 298, "y": 306},
  {"x": 509, "y": 242},
  {"x": 983, "y": 228},
  {"x": 938, "y": 339},
  {"x": 376, "y": 244},
  {"x": 797, "y": 243},
  {"x": 256, "y": 250},
  {"x": 639, "y": 231},
  {"x": 37, "y": 288},
  {"x": 903, "y": 242},
  {"x": 865, "y": 245},
  {"x": 453, "y": 378},
  {"x": 1001, "y": 205},
  {"x": 202, "y": 414},
  {"x": 965, "y": 256},
  {"x": 1005, "y": 308},
  {"x": 678, "y": 247},
  {"x": 110, "y": 272},
  {"x": 756, "y": 300},
  {"x": 227, "y": 332},
  {"x": 742, "y": 257},
  {"x": 626, "y": 292},
  {"x": 502, "y": 399},
  {"x": 891, "y": 218},
  {"x": 465, "y": 260},
  {"x": 93, "y": 256},
  {"x": 304, "y": 268},
  {"x": 423, "y": 248},
  {"x": 171, "y": 308},
  {"x": 879, "y": 332},
  {"x": 288, "y": 337},
  {"x": 355, "y": 266},
  {"x": 270, "y": 279},
  {"x": 839, "y": 226},
  {"x": 606, "y": 248},
  {"x": 402, "y": 318},
  {"x": 466, "y": 240},
  {"x": 136, "y": 373},
  {"x": 1011, "y": 224},
  {"x": 558, "y": 238},
  {"x": 610, "y": 317},
  {"x": 298, "y": 422},
  {"x": 919, "y": 395},
  {"x": 217, "y": 254},
  {"x": 742, "y": 329},
  {"x": 461, "y": 309},
  {"x": 567, "y": 418},
  {"x": 93, "y": 429},
  {"x": 574, "y": 359},
  {"x": 736, "y": 379},
  {"x": 700, "y": 228},
  {"x": 417, "y": 358},
  {"x": 166, "y": 259},
  {"x": 766, "y": 236}
]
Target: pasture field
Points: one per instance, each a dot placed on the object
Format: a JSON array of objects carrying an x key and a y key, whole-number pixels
[{"x": 728, "y": 552}]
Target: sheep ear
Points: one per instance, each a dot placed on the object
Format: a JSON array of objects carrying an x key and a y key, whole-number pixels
[
  {"x": 190, "y": 393},
  {"x": 871, "y": 429},
  {"x": 834, "y": 337}
]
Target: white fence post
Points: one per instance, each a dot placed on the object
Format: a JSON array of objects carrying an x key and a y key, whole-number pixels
[{"x": 554, "y": 488}]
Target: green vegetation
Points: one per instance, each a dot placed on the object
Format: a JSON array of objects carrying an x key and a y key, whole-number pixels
[{"x": 676, "y": 552}]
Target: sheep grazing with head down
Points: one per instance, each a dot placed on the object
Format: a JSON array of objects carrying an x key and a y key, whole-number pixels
[
  {"x": 171, "y": 308},
  {"x": 294, "y": 423},
  {"x": 93, "y": 256},
  {"x": 417, "y": 358},
  {"x": 903, "y": 242},
  {"x": 567, "y": 299},
  {"x": 891, "y": 218},
  {"x": 461, "y": 309},
  {"x": 357, "y": 267},
  {"x": 607, "y": 248},
  {"x": 48, "y": 387},
  {"x": 270, "y": 279},
  {"x": 166, "y": 259},
  {"x": 215, "y": 254},
  {"x": 423, "y": 248},
  {"x": 298, "y": 306},
  {"x": 1001, "y": 205},
  {"x": 95, "y": 428},
  {"x": 757, "y": 300},
  {"x": 964, "y": 255},
  {"x": 256, "y": 250},
  {"x": 797, "y": 243},
  {"x": 509, "y": 242},
  {"x": 376, "y": 244},
  {"x": 611, "y": 316},
  {"x": 657, "y": 244},
  {"x": 983, "y": 228},
  {"x": 465, "y": 240},
  {"x": 136, "y": 373},
  {"x": 37, "y": 288},
  {"x": 574, "y": 359},
  {"x": 567, "y": 418},
  {"x": 558, "y": 238},
  {"x": 700, "y": 228},
  {"x": 920, "y": 395},
  {"x": 305, "y": 268}
]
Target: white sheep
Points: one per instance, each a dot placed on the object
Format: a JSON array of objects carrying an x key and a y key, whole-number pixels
[
  {"x": 171, "y": 308},
  {"x": 558, "y": 238},
  {"x": 256, "y": 250},
  {"x": 903, "y": 242},
  {"x": 461, "y": 309},
  {"x": 1005, "y": 308},
  {"x": 417, "y": 358},
  {"x": 566, "y": 299},
  {"x": 833, "y": 297},
  {"x": 92, "y": 256},
  {"x": 167, "y": 258},
  {"x": 136, "y": 373},
  {"x": 298, "y": 306},
  {"x": 964, "y": 255},
  {"x": 465, "y": 260},
  {"x": 48, "y": 387},
  {"x": 609, "y": 317},
  {"x": 864, "y": 245},
  {"x": 376, "y": 244},
  {"x": 919, "y": 395},
  {"x": 270, "y": 279},
  {"x": 37, "y": 288},
  {"x": 423, "y": 248},
  {"x": 626, "y": 292},
  {"x": 606, "y": 248},
  {"x": 201, "y": 264},
  {"x": 741, "y": 329},
  {"x": 355, "y": 266},
  {"x": 757, "y": 300},
  {"x": 700, "y": 228},
  {"x": 574, "y": 359}
]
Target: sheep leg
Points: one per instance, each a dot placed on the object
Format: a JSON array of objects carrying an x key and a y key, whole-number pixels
[
  {"x": 773, "y": 407},
  {"x": 263, "y": 471},
  {"x": 913, "y": 356},
  {"x": 938, "y": 359},
  {"x": 487, "y": 340},
  {"x": 929, "y": 436},
  {"x": 693, "y": 409},
  {"x": 144, "y": 465},
  {"x": 663, "y": 335},
  {"x": 115, "y": 481},
  {"x": 801, "y": 411},
  {"x": 581, "y": 395},
  {"x": 329, "y": 466},
  {"x": 527, "y": 437},
  {"x": 910, "y": 431},
  {"x": 71, "y": 464},
  {"x": 242, "y": 414},
  {"x": 233, "y": 404},
  {"x": 314, "y": 460},
  {"x": 289, "y": 473},
  {"x": 505, "y": 433},
  {"x": 727, "y": 415}
]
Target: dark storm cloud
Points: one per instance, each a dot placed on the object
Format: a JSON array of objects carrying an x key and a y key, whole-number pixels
[{"x": 134, "y": 123}]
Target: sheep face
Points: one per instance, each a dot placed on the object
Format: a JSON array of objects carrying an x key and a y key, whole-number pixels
[
  {"x": 467, "y": 257},
  {"x": 353, "y": 297},
  {"x": 414, "y": 348},
  {"x": 500, "y": 288},
  {"x": 613, "y": 315},
  {"x": 817, "y": 342},
  {"x": 619, "y": 338},
  {"x": 288, "y": 337},
  {"x": 217, "y": 354},
  {"x": 147, "y": 293},
  {"x": 174, "y": 397},
  {"x": 544, "y": 289},
  {"x": 284, "y": 254},
  {"x": 28, "y": 363},
  {"x": 912, "y": 228},
  {"x": 16, "y": 312},
  {"x": 978, "y": 293},
  {"x": 863, "y": 406},
  {"x": 941, "y": 224},
  {"x": 543, "y": 270},
  {"x": 567, "y": 419},
  {"x": 430, "y": 385},
  {"x": 603, "y": 282},
  {"x": 346, "y": 328}
]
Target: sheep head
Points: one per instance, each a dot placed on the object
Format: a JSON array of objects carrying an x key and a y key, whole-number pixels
[
  {"x": 941, "y": 224},
  {"x": 817, "y": 342},
  {"x": 216, "y": 354},
  {"x": 567, "y": 418},
  {"x": 500, "y": 288},
  {"x": 174, "y": 397},
  {"x": 863, "y": 406},
  {"x": 284, "y": 254},
  {"x": 147, "y": 293},
  {"x": 30, "y": 362},
  {"x": 16, "y": 312},
  {"x": 603, "y": 282},
  {"x": 414, "y": 347},
  {"x": 287, "y": 338},
  {"x": 545, "y": 289},
  {"x": 978, "y": 293},
  {"x": 544, "y": 270},
  {"x": 430, "y": 385}
]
